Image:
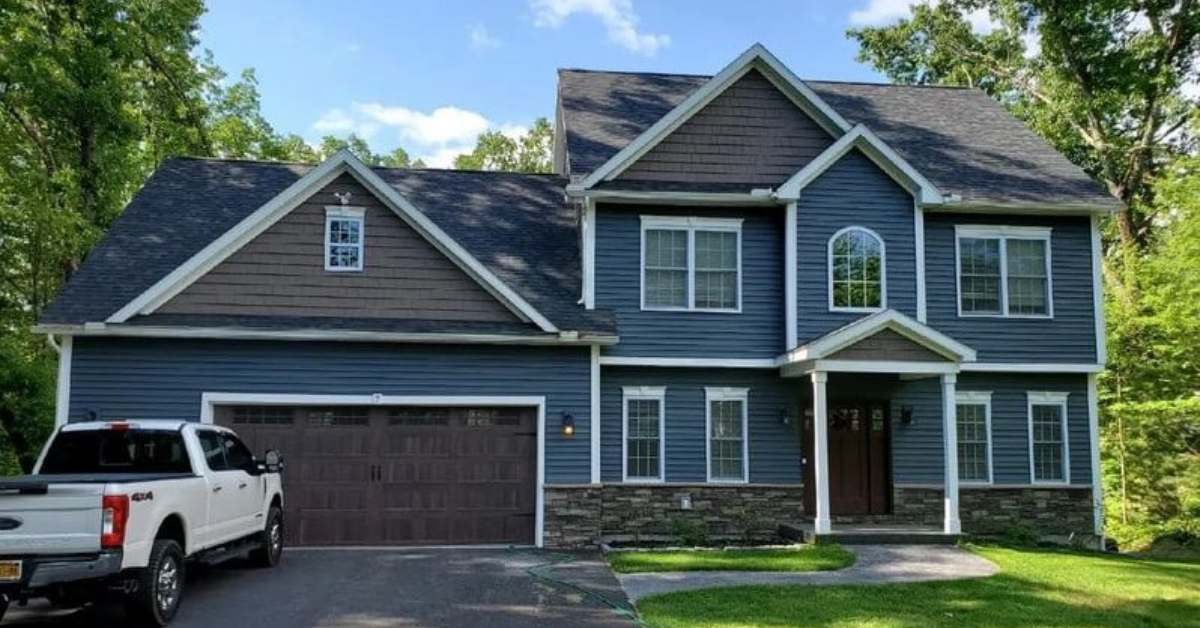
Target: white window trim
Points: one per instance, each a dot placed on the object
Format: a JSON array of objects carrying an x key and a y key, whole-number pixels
[
  {"x": 1002, "y": 233},
  {"x": 343, "y": 213},
  {"x": 979, "y": 398},
  {"x": 1049, "y": 399},
  {"x": 632, "y": 393},
  {"x": 712, "y": 394},
  {"x": 691, "y": 225},
  {"x": 882, "y": 270}
]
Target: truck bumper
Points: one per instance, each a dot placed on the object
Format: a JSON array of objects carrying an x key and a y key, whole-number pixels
[{"x": 39, "y": 572}]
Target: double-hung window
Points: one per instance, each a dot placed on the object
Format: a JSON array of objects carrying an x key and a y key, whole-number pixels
[
  {"x": 728, "y": 442},
  {"x": 344, "y": 238},
  {"x": 1048, "y": 449},
  {"x": 691, "y": 264},
  {"x": 973, "y": 411},
  {"x": 643, "y": 439},
  {"x": 1004, "y": 271}
]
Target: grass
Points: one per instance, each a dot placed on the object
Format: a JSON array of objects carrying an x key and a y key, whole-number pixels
[
  {"x": 799, "y": 558},
  {"x": 1035, "y": 587}
]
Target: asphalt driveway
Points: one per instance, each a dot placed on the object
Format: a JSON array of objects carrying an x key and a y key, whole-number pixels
[{"x": 350, "y": 588}]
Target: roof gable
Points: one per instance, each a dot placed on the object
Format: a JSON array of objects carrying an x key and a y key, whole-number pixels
[
  {"x": 756, "y": 58},
  {"x": 850, "y": 335},
  {"x": 750, "y": 134},
  {"x": 866, "y": 142},
  {"x": 262, "y": 218},
  {"x": 281, "y": 272}
]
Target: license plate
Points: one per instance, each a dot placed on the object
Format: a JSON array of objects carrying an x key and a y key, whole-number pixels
[{"x": 10, "y": 571}]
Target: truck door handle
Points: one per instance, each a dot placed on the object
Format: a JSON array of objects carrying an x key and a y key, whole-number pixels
[
  {"x": 242, "y": 485},
  {"x": 216, "y": 489}
]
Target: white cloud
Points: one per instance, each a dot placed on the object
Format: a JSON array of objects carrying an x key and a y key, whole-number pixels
[
  {"x": 884, "y": 12},
  {"x": 617, "y": 16},
  {"x": 436, "y": 137},
  {"x": 481, "y": 39}
]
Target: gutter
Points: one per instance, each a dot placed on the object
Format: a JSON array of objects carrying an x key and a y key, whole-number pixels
[{"x": 569, "y": 338}]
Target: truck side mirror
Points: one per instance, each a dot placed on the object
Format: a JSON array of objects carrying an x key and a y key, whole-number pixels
[{"x": 273, "y": 461}]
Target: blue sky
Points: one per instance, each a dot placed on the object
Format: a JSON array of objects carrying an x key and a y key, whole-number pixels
[{"x": 429, "y": 76}]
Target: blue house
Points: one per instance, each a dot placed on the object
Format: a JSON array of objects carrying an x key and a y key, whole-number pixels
[{"x": 741, "y": 301}]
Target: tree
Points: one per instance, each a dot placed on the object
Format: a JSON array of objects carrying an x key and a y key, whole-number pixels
[
  {"x": 529, "y": 152},
  {"x": 398, "y": 158},
  {"x": 1105, "y": 83}
]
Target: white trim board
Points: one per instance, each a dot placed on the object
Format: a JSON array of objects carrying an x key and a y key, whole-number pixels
[
  {"x": 338, "y": 335},
  {"x": 209, "y": 401},
  {"x": 737, "y": 363},
  {"x": 756, "y": 57},
  {"x": 877, "y": 151},
  {"x": 261, "y": 219},
  {"x": 62, "y": 393}
]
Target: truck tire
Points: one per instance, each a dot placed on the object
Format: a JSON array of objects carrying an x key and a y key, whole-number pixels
[
  {"x": 3, "y": 606},
  {"x": 272, "y": 541},
  {"x": 159, "y": 586}
]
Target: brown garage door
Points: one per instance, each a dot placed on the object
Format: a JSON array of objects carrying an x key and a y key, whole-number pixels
[{"x": 399, "y": 475}]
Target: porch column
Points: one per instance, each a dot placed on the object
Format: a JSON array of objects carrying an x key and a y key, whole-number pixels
[
  {"x": 821, "y": 452},
  {"x": 952, "y": 525}
]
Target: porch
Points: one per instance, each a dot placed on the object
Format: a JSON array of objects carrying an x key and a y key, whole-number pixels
[{"x": 883, "y": 380}]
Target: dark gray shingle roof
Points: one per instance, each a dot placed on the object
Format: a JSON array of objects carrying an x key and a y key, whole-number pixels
[
  {"x": 517, "y": 225},
  {"x": 965, "y": 142}
]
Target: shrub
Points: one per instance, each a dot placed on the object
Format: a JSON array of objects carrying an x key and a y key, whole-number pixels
[{"x": 689, "y": 532}]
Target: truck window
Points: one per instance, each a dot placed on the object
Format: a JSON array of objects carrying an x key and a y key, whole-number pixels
[
  {"x": 236, "y": 454},
  {"x": 214, "y": 450},
  {"x": 117, "y": 451}
]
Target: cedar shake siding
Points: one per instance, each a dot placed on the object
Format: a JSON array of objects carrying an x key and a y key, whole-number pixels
[
  {"x": 887, "y": 345},
  {"x": 282, "y": 272},
  {"x": 751, "y": 133}
]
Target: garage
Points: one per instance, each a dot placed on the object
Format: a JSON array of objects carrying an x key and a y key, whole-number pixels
[{"x": 399, "y": 475}]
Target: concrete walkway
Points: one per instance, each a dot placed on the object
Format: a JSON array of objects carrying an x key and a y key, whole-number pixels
[{"x": 876, "y": 564}]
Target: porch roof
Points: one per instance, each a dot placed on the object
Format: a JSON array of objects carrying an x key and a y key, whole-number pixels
[{"x": 903, "y": 345}]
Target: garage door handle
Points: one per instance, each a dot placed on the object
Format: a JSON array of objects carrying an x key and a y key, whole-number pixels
[{"x": 216, "y": 489}]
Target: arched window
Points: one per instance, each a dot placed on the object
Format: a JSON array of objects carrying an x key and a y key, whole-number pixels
[{"x": 856, "y": 271}]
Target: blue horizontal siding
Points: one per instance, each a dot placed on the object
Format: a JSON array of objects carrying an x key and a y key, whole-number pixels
[
  {"x": 917, "y": 448},
  {"x": 163, "y": 379},
  {"x": 852, "y": 192},
  {"x": 1069, "y": 337},
  {"x": 774, "y": 447},
  {"x": 756, "y": 332}
]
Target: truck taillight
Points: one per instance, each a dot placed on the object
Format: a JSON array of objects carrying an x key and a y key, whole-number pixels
[{"x": 116, "y": 515}]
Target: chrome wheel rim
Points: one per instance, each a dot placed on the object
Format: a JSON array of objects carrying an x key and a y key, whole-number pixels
[
  {"x": 276, "y": 538},
  {"x": 167, "y": 591}
]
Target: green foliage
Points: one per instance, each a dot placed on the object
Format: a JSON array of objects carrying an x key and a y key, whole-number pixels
[
  {"x": 689, "y": 532},
  {"x": 1151, "y": 468},
  {"x": 27, "y": 379},
  {"x": 1021, "y": 534},
  {"x": 824, "y": 557},
  {"x": 1034, "y": 588},
  {"x": 531, "y": 152},
  {"x": 1105, "y": 85}
]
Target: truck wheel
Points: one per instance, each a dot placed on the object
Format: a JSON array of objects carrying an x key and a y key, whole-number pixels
[
  {"x": 159, "y": 586},
  {"x": 272, "y": 541},
  {"x": 3, "y": 606}
]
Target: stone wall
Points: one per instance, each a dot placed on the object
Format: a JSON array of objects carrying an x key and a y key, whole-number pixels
[
  {"x": 582, "y": 516},
  {"x": 1051, "y": 512}
]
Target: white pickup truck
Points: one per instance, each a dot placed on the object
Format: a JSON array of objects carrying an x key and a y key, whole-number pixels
[{"x": 118, "y": 510}]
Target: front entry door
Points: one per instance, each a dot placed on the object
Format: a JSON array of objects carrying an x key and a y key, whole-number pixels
[{"x": 859, "y": 476}]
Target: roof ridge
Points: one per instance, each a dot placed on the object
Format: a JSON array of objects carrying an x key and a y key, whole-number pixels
[
  {"x": 636, "y": 73},
  {"x": 272, "y": 162}
]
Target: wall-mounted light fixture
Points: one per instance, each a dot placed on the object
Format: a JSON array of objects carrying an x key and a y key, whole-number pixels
[
  {"x": 568, "y": 425},
  {"x": 906, "y": 415}
]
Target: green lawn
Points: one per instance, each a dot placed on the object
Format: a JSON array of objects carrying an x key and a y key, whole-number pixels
[
  {"x": 799, "y": 558},
  {"x": 1033, "y": 588}
]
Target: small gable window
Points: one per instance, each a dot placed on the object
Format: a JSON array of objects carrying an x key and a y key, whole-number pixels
[
  {"x": 856, "y": 271},
  {"x": 343, "y": 238}
]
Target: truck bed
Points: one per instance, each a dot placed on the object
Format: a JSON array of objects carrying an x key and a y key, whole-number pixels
[{"x": 39, "y": 483}]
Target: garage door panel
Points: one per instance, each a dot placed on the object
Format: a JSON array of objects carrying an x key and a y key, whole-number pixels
[{"x": 399, "y": 475}]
